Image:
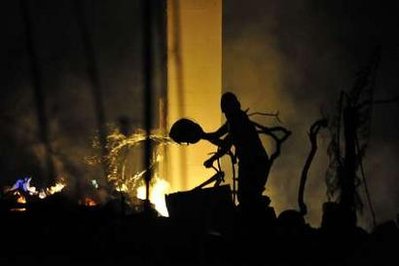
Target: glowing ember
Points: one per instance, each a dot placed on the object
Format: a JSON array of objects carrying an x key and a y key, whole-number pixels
[
  {"x": 58, "y": 187},
  {"x": 89, "y": 202},
  {"x": 42, "y": 195},
  {"x": 18, "y": 209},
  {"x": 20, "y": 198}
]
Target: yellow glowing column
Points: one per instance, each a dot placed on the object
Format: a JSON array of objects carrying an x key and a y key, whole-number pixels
[{"x": 194, "y": 83}]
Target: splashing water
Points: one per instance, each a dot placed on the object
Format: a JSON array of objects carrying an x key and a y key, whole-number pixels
[{"x": 126, "y": 170}]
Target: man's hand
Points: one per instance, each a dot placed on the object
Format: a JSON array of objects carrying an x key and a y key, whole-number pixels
[{"x": 208, "y": 163}]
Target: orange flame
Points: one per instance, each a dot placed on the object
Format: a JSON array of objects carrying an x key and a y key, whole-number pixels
[
  {"x": 20, "y": 198},
  {"x": 89, "y": 202},
  {"x": 157, "y": 195}
]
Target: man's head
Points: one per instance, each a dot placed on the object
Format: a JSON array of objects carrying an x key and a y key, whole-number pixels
[{"x": 229, "y": 103}]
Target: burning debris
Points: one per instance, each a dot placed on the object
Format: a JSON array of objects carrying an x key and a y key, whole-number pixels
[
  {"x": 25, "y": 186},
  {"x": 124, "y": 186},
  {"x": 22, "y": 190}
]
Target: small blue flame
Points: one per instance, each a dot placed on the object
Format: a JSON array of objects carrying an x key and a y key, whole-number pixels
[{"x": 22, "y": 184}]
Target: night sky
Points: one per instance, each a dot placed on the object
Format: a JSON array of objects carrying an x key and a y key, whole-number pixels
[{"x": 288, "y": 56}]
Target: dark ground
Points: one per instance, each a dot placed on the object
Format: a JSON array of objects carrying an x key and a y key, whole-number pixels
[{"x": 57, "y": 231}]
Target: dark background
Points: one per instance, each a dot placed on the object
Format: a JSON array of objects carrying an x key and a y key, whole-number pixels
[
  {"x": 295, "y": 57},
  {"x": 290, "y": 56},
  {"x": 115, "y": 30}
]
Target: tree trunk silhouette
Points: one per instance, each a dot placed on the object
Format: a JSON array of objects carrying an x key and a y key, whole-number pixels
[{"x": 314, "y": 130}]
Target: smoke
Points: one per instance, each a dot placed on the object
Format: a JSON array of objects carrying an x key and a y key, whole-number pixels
[
  {"x": 382, "y": 181},
  {"x": 295, "y": 58},
  {"x": 115, "y": 30}
]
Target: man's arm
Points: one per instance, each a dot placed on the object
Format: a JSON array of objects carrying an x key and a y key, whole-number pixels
[
  {"x": 224, "y": 148},
  {"x": 214, "y": 137}
]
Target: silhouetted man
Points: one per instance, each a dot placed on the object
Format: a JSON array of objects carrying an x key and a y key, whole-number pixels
[{"x": 253, "y": 160}]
